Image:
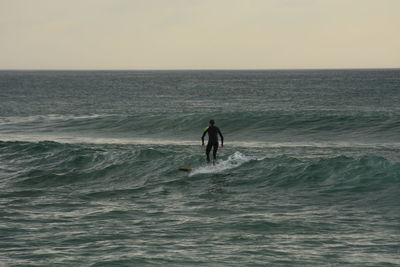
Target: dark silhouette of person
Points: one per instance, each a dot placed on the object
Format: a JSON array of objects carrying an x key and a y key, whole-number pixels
[{"x": 213, "y": 132}]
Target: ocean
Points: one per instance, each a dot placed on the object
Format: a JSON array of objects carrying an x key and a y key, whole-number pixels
[{"x": 309, "y": 174}]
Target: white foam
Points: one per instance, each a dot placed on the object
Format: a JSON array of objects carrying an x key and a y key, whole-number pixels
[
  {"x": 317, "y": 144},
  {"x": 233, "y": 161},
  {"x": 73, "y": 139},
  {"x": 91, "y": 140},
  {"x": 47, "y": 117}
]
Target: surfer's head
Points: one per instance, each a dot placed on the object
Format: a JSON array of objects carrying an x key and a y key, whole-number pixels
[{"x": 212, "y": 122}]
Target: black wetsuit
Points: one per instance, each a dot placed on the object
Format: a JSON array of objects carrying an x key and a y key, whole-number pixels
[{"x": 213, "y": 132}]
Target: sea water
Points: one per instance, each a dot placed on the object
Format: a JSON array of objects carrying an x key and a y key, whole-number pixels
[{"x": 309, "y": 173}]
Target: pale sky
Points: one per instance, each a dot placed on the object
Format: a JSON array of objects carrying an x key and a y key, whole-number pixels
[{"x": 199, "y": 34}]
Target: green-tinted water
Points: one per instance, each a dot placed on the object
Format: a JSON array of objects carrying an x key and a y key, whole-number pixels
[{"x": 309, "y": 174}]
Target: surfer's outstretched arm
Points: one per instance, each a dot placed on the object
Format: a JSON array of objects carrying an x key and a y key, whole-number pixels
[
  {"x": 202, "y": 137},
  {"x": 222, "y": 138}
]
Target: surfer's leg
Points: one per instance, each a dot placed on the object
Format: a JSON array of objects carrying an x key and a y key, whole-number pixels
[
  {"x": 208, "y": 149},
  {"x": 215, "y": 151}
]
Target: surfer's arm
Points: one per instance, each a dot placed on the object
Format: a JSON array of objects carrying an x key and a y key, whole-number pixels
[
  {"x": 222, "y": 138},
  {"x": 202, "y": 137}
]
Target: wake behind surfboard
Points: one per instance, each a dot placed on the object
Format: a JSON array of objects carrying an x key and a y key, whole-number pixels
[{"x": 233, "y": 161}]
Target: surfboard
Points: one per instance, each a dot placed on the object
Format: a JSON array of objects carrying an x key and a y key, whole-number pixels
[{"x": 186, "y": 169}]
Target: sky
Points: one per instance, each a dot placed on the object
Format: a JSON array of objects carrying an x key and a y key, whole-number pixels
[{"x": 199, "y": 34}]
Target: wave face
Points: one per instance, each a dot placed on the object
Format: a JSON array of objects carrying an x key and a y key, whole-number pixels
[{"x": 309, "y": 173}]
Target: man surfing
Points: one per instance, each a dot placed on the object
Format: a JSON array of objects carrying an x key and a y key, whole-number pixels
[{"x": 213, "y": 132}]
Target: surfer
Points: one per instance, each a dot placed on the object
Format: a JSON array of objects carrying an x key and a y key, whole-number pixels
[{"x": 213, "y": 132}]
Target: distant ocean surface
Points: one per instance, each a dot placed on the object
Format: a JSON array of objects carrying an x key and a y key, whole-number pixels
[{"x": 309, "y": 174}]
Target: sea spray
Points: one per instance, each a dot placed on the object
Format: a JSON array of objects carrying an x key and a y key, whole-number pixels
[{"x": 233, "y": 161}]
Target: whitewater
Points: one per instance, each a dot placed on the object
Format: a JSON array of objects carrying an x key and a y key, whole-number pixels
[{"x": 309, "y": 173}]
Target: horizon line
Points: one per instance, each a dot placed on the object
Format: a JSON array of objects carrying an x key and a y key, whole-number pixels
[{"x": 211, "y": 69}]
